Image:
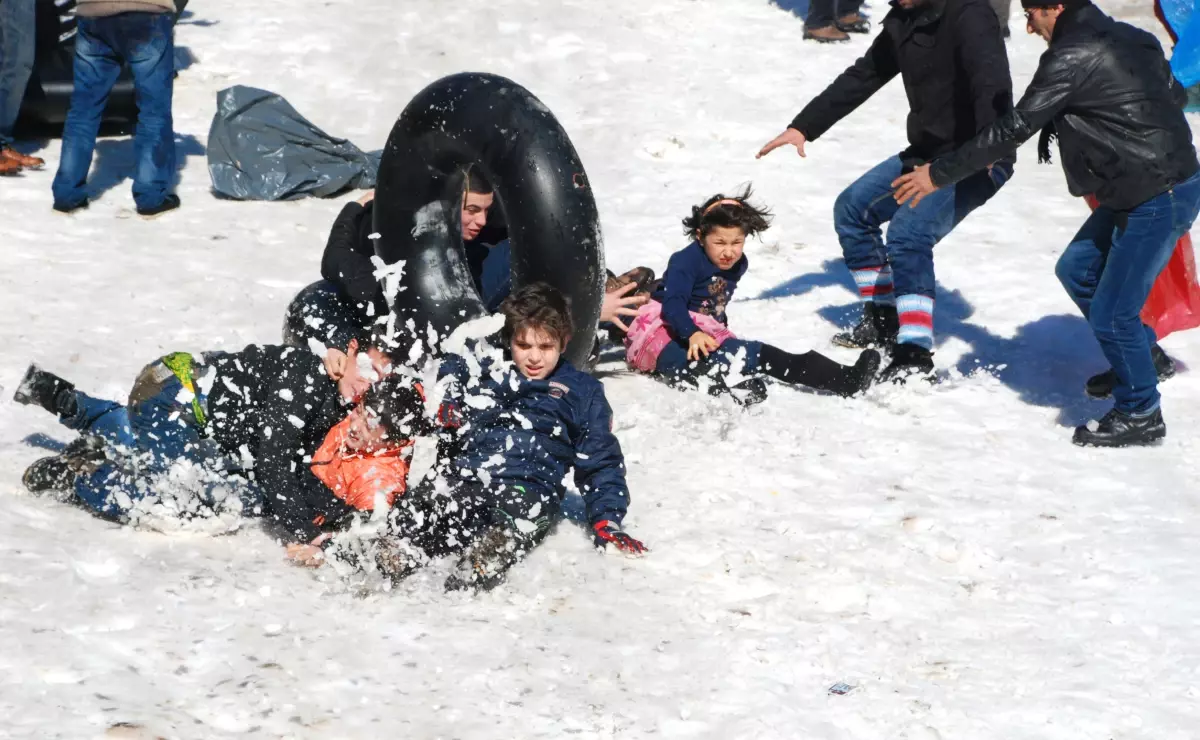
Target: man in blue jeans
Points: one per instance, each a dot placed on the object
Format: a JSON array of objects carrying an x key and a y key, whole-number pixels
[
  {"x": 16, "y": 64},
  {"x": 1106, "y": 91},
  {"x": 951, "y": 58},
  {"x": 113, "y": 33}
]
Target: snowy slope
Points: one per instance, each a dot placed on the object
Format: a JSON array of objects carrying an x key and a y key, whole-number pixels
[{"x": 945, "y": 551}]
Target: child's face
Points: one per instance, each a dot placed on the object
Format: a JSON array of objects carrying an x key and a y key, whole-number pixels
[
  {"x": 364, "y": 433},
  {"x": 724, "y": 246},
  {"x": 535, "y": 353},
  {"x": 361, "y": 370}
]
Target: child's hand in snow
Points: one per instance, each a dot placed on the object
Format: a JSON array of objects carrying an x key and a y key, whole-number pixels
[
  {"x": 310, "y": 555},
  {"x": 701, "y": 344}
]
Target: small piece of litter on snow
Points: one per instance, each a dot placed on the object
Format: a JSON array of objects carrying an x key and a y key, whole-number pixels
[{"x": 841, "y": 689}]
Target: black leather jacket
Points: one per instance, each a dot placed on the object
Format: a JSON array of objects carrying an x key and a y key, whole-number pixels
[{"x": 1106, "y": 90}]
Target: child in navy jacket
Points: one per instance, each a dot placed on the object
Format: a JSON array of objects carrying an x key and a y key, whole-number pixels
[
  {"x": 683, "y": 332},
  {"x": 517, "y": 429}
]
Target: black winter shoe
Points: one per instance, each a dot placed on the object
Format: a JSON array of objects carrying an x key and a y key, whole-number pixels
[
  {"x": 865, "y": 369},
  {"x": 908, "y": 361},
  {"x": 879, "y": 327},
  {"x": 485, "y": 564},
  {"x": 69, "y": 208},
  {"x": 170, "y": 203},
  {"x": 749, "y": 392},
  {"x": 52, "y": 473},
  {"x": 58, "y": 472},
  {"x": 40, "y": 388},
  {"x": 1118, "y": 429},
  {"x": 1101, "y": 386}
]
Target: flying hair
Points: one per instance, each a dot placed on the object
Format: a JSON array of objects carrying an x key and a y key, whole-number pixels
[{"x": 727, "y": 211}]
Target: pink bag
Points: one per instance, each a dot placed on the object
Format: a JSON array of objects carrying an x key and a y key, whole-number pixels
[{"x": 648, "y": 335}]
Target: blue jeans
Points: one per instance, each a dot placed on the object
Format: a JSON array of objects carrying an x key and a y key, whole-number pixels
[
  {"x": 153, "y": 446},
  {"x": 144, "y": 42},
  {"x": 1108, "y": 270},
  {"x": 16, "y": 61},
  {"x": 863, "y": 208}
]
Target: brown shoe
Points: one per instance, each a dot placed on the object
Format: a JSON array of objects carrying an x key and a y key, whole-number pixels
[
  {"x": 826, "y": 35},
  {"x": 853, "y": 23},
  {"x": 8, "y": 167},
  {"x": 22, "y": 160}
]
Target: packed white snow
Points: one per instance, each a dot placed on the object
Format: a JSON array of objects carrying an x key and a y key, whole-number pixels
[{"x": 945, "y": 553}]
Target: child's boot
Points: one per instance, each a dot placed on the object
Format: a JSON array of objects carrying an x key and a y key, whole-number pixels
[
  {"x": 40, "y": 388},
  {"x": 879, "y": 326},
  {"x": 58, "y": 472},
  {"x": 486, "y": 563},
  {"x": 908, "y": 361}
]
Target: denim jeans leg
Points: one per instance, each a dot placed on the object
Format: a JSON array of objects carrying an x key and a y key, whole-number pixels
[
  {"x": 103, "y": 418},
  {"x": 97, "y": 66},
  {"x": 821, "y": 14},
  {"x": 150, "y": 51},
  {"x": 1139, "y": 253},
  {"x": 860, "y": 212},
  {"x": 16, "y": 61}
]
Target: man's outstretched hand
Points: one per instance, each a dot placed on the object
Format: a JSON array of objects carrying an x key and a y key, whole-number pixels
[
  {"x": 618, "y": 303},
  {"x": 791, "y": 136},
  {"x": 915, "y": 186},
  {"x": 607, "y": 532}
]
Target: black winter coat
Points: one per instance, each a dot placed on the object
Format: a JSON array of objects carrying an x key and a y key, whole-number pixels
[
  {"x": 951, "y": 58},
  {"x": 1107, "y": 90},
  {"x": 276, "y": 405},
  {"x": 347, "y": 258}
]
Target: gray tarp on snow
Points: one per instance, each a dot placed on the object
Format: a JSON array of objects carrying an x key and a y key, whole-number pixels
[{"x": 260, "y": 148}]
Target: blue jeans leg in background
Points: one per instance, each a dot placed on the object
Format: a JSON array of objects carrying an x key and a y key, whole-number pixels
[
  {"x": 144, "y": 42},
  {"x": 16, "y": 61},
  {"x": 1109, "y": 269}
]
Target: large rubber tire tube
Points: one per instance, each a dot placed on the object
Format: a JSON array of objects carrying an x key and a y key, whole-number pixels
[{"x": 500, "y": 127}]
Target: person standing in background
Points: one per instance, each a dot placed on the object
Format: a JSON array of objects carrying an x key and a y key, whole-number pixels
[
  {"x": 825, "y": 25},
  {"x": 112, "y": 33},
  {"x": 16, "y": 65}
]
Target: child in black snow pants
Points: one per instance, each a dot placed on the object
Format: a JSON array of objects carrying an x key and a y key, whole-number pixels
[{"x": 682, "y": 334}]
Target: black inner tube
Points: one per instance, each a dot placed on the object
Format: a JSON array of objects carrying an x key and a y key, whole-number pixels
[{"x": 500, "y": 127}]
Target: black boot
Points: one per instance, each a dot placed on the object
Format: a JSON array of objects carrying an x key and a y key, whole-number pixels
[
  {"x": 1101, "y": 386},
  {"x": 879, "y": 327},
  {"x": 908, "y": 361},
  {"x": 52, "y": 473},
  {"x": 1118, "y": 429},
  {"x": 749, "y": 392},
  {"x": 40, "y": 388},
  {"x": 486, "y": 563},
  {"x": 58, "y": 472}
]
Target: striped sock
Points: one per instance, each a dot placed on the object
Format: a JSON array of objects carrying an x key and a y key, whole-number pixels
[
  {"x": 916, "y": 320},
  {"x": 875, "y": 284}
]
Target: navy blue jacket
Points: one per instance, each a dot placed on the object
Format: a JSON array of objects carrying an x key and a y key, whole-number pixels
[
  {"x": 517, "y": 431},
  {"x": 491, "y": 270},
  {"x": 693, "y": 283}
]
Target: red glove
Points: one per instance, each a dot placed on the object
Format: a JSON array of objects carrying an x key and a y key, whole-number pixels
[{"x": 607, "y": 532}]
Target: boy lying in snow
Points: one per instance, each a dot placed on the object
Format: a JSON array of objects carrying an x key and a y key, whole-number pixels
[
  {"x": 515, "y": 429},
  {"x": 247, "y": 430}
]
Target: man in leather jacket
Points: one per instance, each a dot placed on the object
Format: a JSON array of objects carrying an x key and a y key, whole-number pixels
[{"x": 1106, "y": 91}]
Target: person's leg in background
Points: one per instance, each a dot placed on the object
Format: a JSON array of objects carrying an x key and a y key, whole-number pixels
[
  {"x": 17, "y": 49},
  {"x": 820, "y": 24},
  {"x": 1003, "y": 10},
  {"x": 146, "y": 42},
  {"x": 97, "y": 65}
]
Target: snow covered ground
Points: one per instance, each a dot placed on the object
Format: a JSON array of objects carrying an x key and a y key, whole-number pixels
[{"x": 944, "y": 551}]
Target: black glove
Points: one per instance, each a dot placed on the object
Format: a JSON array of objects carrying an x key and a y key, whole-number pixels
[{"x": 607, "y": 532}]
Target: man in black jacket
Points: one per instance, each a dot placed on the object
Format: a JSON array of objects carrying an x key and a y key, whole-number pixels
[
  {"x": 951, "y": 58},
  {"x": 202, "y": 431},
  {"x": 1106, "y": 91}
]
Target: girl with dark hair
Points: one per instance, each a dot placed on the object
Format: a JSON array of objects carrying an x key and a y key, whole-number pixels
[{"x": 683, "y": 334}]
